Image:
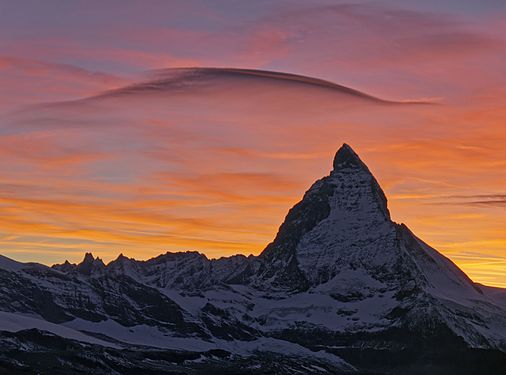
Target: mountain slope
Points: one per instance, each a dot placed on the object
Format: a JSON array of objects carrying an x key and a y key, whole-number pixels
[{"x": 341, "y": 288}]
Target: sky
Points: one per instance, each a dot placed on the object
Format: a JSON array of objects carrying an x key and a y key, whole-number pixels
[{"x": 140, "y": 127}]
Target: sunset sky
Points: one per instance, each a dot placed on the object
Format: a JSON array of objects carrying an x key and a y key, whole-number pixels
[{"x": 111, "y": 141}]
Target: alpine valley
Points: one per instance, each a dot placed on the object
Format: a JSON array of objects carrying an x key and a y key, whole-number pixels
[{"x": 341, "y": 289}]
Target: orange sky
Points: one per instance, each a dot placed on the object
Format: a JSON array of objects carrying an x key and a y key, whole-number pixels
[{"x": 212, "y": 160}]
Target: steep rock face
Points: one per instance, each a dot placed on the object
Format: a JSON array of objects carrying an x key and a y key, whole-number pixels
[
  {"x": 357, "y": 232},
  {"x": 194, "y": 271}
]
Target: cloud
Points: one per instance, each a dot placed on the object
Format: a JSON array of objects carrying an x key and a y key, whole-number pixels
[
  {"x": 390, "y": 32},
  {"x": 48, "y": 150},
  {"x": 27, "y": 81},
  {"x": 233, "y": 187},
  {"x": 483, "y": 200},
  {"x": 33, "y": 67},
  {"x": 202, "y": 79}
]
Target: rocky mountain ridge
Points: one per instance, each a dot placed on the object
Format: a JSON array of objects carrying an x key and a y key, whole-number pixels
[{"x": 342, "y": 288}]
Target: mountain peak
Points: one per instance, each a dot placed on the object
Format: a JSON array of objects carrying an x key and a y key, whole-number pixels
[
  {"x": 335, "y": 219},
  {"x": 90, "y": 263},
  {"x": 88, "y": 258},
  {"x": 347, "y": 158}
]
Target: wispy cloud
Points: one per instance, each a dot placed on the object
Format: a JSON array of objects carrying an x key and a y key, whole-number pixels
[{"x": 484, "y": 200}]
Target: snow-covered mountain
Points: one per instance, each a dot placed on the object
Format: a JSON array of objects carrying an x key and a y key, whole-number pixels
[{"x": 341, "y": 289}]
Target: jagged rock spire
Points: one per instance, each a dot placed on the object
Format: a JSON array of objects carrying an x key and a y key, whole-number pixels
[
  {"x": 347, "y": 158},
  {"x": 88, "y": 258},
  {"x": 90, "y": 263}
]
